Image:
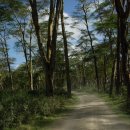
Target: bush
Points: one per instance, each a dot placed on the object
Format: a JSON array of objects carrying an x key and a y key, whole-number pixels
[{"x": 19, "y": 107}]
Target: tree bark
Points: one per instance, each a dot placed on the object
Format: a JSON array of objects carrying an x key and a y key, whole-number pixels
[
  {"x": 48, "y": 59},
  {"x": 105, "y": 74},
  {"x": 31, "y": 66},
  {"x": 6, "y": 54},
  {"x": 24, "y": 46},
  {"x": 123, "y": 11},
  {"x": 124, "y": 51},
  {"x": 66, "y": 52},
  {"x": 112, "y": 78},
  {"x": 117, "y": 78}
]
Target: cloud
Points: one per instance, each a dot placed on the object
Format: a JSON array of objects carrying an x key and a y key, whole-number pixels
[{"x": 69, "y": 26}]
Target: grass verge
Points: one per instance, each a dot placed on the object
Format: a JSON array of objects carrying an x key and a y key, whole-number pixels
[{"x": 117, "y": 104}]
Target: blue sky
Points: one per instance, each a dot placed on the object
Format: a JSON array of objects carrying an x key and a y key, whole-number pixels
[{"x": 68, "y": 8}]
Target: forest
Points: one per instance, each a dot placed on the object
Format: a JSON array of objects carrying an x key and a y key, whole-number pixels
[{"x": 61, "y": 55}]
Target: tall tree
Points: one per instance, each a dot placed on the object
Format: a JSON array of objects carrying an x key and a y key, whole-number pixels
[
  {"x": 48, "y": 59},
  {"x": 106, "y": 26},
  {"x": 91, "y": 43},
  {"x": 83, "y": 14},
  {"x": 3, "y": 38},
  {"x": 123, "y": 11},
  {"x": 65, "y": 50}
]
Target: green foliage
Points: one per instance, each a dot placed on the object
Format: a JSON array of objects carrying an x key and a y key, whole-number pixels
[
  {"x": 117, "y": 103},
  {"x": 19, "y": 107}
]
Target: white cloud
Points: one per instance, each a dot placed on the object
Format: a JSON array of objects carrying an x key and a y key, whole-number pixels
[
  {"x": 69, "y": 22},
  {"x": 75, "y": 29}
]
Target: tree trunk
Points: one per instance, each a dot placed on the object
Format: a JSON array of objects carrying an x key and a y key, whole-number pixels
[
  {"x": 24, "y": 47},
  {"x": 66, "y": 52},
  {"x": 96, "y": 72},
  {"x": 83, "y": 74},
  {"x": 6, "y": 54},
  {"x": 112, "y": 78},
  {"x": 51, "y": 66},
  {"x": 124, "y": 52},
  {"x": 9, "y": 68},
  {"x": 31, "y": 66},
  {"x": 123, "y": 11},
  {"x": 117, "y": 78},
  {"x": 92, "y": 48},
  {"x": 105, "y": 74},
  {"x": 50, "y": 28},
  {"x": 49, "y": 80},
  {"x": 47, "y": 59},
  {"x": 25, "y": 55}
]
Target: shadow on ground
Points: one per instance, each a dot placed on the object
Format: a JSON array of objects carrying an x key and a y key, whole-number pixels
[{"x": 91, "y": 114}]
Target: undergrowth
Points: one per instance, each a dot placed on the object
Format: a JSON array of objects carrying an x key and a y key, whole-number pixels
[
  {"x": 20, "y": 108},
  {"x": 117, "y": 103}
]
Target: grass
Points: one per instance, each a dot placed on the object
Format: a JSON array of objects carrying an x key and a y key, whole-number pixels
[
  {"x": 117, "y": 104},
  {"x": 36, "y": 123},
  {"x": 40, "y": 122}
]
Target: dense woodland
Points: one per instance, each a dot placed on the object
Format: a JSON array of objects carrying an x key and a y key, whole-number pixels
[{"x": 55, "y": 61}]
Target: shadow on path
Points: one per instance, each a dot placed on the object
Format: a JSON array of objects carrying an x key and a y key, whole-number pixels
[{"x": 91, "y": 113}]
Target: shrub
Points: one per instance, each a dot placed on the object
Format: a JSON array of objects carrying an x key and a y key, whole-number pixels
[{"x": 19, "y": 107}]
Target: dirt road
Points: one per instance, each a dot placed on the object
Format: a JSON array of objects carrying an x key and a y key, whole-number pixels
[{"x": 91, "y": 113}]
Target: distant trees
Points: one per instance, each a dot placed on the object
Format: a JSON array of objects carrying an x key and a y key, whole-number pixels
[
  {"x": 106, "y": 27},
  {"x": 111, "y": 46},
  {"x": 84, "y": 9},
  {"x": 4, "y": 49},
  {"x": 5, "y": 53},
  {"x": 22, "y": 31}
]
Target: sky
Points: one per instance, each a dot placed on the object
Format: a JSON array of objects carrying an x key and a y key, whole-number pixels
[
  {"x": 68, "y": 9},
  {"x": 69, "y": 6}
]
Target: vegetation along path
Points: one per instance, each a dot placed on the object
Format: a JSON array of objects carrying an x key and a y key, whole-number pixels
[{"x": 91, "y": 113}]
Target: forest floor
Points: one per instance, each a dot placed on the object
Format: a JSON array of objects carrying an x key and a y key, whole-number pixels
[{"x": 90, "y": 113}]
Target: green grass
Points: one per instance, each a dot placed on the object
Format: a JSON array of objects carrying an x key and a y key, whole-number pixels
[
  {"x": 117, "y": 104},
  {"x": 39, "y": 120},
  {"x": 36, "y": 123}
]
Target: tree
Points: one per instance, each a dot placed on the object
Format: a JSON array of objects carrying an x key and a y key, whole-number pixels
[
  {"x": 5, "y": 50},
  {"x": 65, "y": 50},
  {"x": 48, "y": 59},
  {"x": 123, "y": 11},
  {"x": 106, "y": 26},
  {"x": 84, "y": 8}
]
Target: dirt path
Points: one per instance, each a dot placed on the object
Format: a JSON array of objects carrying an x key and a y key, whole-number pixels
[{"x": 90, "y": 114}]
